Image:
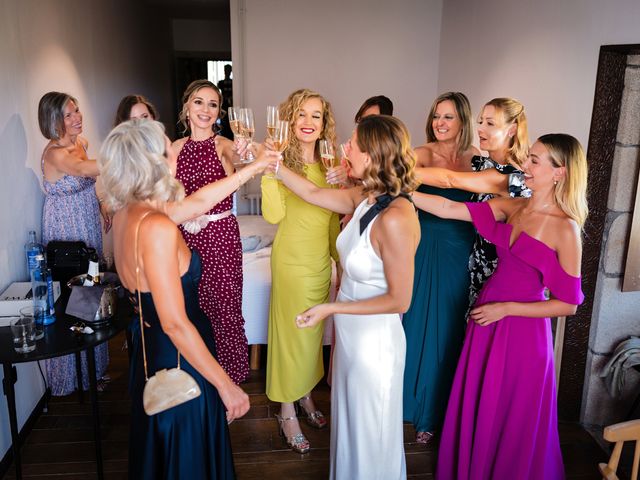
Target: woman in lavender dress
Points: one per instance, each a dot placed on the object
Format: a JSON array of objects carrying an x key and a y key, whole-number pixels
[{"x": 71, "y": 211}]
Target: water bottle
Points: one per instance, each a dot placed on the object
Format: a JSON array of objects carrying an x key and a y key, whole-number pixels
[
  {"x": 41, "y": 284},
  {"x": 31, "y": 249}
]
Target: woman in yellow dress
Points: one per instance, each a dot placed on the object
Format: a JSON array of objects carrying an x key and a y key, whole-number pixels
[{"x": 300, "y": 266}]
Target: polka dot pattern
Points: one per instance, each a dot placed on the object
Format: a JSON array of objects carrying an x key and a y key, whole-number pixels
[{"x": 220, "y": 290}]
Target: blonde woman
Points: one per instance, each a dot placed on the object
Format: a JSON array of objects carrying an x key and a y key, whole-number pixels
[
  {"x": 503, "y": 134},
  {"x": 501, "y": 420},
  {"x": 376, "y": 251},
  {"x": 205, "y": 157},
  {"x": 435, "y": 322},
  {"x": 190, "y": 440},
  {"x": 300, "y": 266}
]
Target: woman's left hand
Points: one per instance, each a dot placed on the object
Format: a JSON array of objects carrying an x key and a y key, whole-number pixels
[
  {"x": 314, "y": 315},
  {"x": 489, "y": 313},
  {"x": 337, "y": 176}
]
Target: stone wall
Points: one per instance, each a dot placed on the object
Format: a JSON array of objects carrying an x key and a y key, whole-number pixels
[{"x": 616, "y": 315}]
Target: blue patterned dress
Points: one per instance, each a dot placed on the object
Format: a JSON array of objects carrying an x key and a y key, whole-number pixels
[{"x": 71, "y": 213}]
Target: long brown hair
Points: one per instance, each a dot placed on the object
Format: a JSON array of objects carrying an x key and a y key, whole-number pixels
[
  {"x": 463, "y": 110},
  {"x": 193, "y": 88}
]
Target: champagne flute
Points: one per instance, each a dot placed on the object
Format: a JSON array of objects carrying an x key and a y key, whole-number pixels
[
  {"x": 280, "y": 139},
  {"x": 234, "y": 121},
  {"x": 272, "y": 120},
  {"x": 327, "y": 154},
  {"x": 248, "y": 127},
  {"x": 344, "y": 153}
]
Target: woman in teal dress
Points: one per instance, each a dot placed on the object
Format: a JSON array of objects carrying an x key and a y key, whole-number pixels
[{"x": 435, "y": 323}]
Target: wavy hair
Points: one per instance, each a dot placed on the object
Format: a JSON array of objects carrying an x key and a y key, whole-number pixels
[
  {"x": 123, "y": 113},
  {"x": 133, "y": 165},
  {"x": 288, "y": 111},
  {"x": 513, "y": 114},
  {"x": 387, "y": 142},
  {"x": 193, "y": 88},
  {"x": 463, "y": 110},
  {"x": 51, "y": 114},
  {"x": 571, "y": 189}
]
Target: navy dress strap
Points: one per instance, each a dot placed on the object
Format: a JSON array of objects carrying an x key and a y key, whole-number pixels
[{"x": 382, "y": 202}]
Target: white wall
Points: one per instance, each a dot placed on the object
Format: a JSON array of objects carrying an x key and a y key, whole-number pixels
[
  {"x": 543, "y": 53},
  {"x": 346, "y": 50},
  {"x": 98, "y": 52}
]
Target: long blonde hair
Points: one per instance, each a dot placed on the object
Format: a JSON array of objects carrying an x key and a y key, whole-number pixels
[
  {"x": 513, "y": 114},
  {"x": 289, "y": 110},
  {"x": 133, "y": 165},
  {"x": 571, "y": 189},
  {"x": 387, "y": 142}
]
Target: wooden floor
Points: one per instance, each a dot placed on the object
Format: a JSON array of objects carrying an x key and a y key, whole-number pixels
[{"x": 61, "y": 444}]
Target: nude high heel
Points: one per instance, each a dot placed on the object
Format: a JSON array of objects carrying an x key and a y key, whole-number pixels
[
  {"x": 298, "y": 442},
  {"x": 315, "y": 419}
]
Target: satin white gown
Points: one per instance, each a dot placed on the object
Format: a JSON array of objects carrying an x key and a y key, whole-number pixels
[{"x": 368, "y": 367}]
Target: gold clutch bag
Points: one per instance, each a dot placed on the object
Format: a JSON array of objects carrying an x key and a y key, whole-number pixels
[{"x": 168, "y": 388}]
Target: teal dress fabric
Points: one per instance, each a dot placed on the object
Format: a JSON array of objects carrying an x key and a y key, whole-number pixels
[
  {"x": 191, "y": 440},
  {"x": 435, "y": 322}
]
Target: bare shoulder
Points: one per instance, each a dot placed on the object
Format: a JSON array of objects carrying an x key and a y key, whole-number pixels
[
  {"x": 566, "y": 230},
  {"x": 506, "y": 205},
  {"x": 84, "y": 142},
  {"x": 424, "y": 155},
  {"x": 178, "y": 144},
  {"x": 399, "y": 216}
]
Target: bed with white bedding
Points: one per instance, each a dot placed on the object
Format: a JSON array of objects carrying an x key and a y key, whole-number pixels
[{"x": 257, "y": 236}]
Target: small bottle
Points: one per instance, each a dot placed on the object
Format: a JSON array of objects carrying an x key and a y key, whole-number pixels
[
  {"x": 93, "y": 274},
  {"x": 50, "y": 317},
  {"x": 39, "y": 287},
  {"x": 31, "y": 249}
]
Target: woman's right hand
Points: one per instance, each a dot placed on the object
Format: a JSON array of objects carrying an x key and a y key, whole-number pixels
[{"x": 235, "y": 400}]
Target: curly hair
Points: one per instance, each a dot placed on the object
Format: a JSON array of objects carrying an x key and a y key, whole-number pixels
[
  {"x": 513, "y": 114},
  {"x": 133, "y": 165},
  {"x": 123, "y": 113},
  {"x": 288, "y": 111},
  {"x": 463, "y": 110},
  {"x": 570, "y": 190},
  {"x": 193, "y": 88},
  {"x": 387, "y": 142}
]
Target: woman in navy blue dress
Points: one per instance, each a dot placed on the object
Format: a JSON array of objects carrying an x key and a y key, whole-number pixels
[{"x": 190, "y": 440}]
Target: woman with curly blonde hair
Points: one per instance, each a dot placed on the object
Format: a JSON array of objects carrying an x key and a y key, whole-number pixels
[
  {"x": 300, "y": 266},
  {"x": 376, "y": 252}
]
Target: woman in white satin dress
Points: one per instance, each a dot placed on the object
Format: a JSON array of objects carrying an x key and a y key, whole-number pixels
[{"x": 376, "y": 249}]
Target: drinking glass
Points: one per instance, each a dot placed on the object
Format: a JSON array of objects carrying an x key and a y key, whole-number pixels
[
  {"x": 327, "y": 154},
  {"x": 272, "y": 120},
  {"x": 248, "y": 128},
  {"x": 280, "y": 139},
  {"x": 24, "y": 334},
  {"x": 234, "y": 121},
  {"x": 36, "y": 312}
]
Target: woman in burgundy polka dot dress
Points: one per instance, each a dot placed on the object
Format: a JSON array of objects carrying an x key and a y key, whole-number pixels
[{"x": 205, "y": 157}]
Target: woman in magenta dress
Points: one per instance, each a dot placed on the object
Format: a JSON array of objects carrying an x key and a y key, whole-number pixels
[
  {"x": 204, "y": 158},
  {"x": 501, "y": 421}
]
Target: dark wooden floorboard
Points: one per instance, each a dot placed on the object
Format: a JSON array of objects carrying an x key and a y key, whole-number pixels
[{"x": 61, "y": 444}]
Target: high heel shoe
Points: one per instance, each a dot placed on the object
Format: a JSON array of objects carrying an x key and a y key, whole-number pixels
[
  {"x": 424, "y": 437},
  {"x": 298, "y": 442},
  {"x": 315, "y": 419}
]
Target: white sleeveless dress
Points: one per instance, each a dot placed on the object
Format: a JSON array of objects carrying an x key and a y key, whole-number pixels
[{"x": 368, "y": 367}]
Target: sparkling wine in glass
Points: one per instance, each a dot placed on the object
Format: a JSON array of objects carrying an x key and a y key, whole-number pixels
[
  {"x": 247, "y": 126},
  {"x": 272, "y": 120},
  {"x": 280, "y": 139},
  {"x": 281, "y": 136},
  {"x": 234, "y": 121},
  {"x": 327, "y": 154}
]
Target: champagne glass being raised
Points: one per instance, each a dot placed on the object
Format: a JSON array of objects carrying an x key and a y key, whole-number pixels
[
  {"x": 247, "y": 126},
  {"x": 272, "y": 120},
  {"x": 280, "y": 139},
  {"x": 327, "y": 154},
  {"x": 234, "y": 121}
]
